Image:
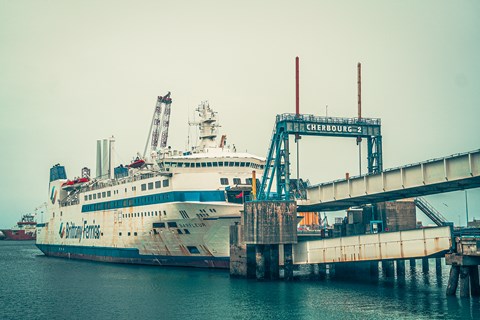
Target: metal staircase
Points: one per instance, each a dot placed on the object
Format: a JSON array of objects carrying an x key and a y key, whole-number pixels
[{"x": 432, "y": 213}]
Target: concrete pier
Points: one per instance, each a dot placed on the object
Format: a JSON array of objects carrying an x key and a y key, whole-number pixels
[
  {"x": 254, "y": 244},
  {"x": 465, "y": 264}
]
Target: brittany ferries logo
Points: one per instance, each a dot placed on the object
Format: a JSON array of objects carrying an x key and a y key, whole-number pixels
[
  {"x": 72, "y": 231},
  {"x": 53, "y": 195}
]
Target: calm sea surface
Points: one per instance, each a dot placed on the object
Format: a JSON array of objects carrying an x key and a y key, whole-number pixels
[{"x": 33, "y": 286}]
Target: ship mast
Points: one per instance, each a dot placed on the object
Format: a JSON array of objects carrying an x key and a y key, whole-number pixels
[{"x": 207, "y": 126}]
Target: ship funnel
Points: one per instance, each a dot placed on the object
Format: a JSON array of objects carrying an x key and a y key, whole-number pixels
[{"x": 105, "y": 159}]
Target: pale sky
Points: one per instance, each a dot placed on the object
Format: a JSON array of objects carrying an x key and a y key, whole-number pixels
[{"x": 72, "y": 72}]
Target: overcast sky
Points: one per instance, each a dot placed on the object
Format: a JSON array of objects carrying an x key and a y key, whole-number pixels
[{"x": 72, "y": 72}]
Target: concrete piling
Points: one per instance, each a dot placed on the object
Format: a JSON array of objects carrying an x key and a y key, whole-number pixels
[
  {"x": 259, "y": 262},
  {"x": 474, "y": 281},
  {"x": 453, "y": 280},
  {"x": 425, "y": 265},
  {"x": 413, "y": 263},
  {"x": 288, "y": 262},
  {"x": 464, "y": 282},
  {"x": 400, "y": 268},
  {"x": 388, "y": 268}
]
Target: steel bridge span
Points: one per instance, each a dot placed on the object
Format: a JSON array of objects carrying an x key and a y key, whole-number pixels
[{"x": 452, "y": 173}]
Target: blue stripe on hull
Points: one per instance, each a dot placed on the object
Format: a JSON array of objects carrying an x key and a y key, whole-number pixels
[{"x": 131, "y": 256}]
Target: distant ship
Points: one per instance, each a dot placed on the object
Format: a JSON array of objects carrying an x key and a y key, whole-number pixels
[
  {"x": 24, "y": 230},
  {"x": 168, "y": 207}
]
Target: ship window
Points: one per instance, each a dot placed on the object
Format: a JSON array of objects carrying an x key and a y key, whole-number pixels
[
  {"x": 156, "y": 213},
  {"x": 109, "y": 193},
  {"x": 215, "y": 164},
  {"x": 242, "y": 164},
  {"x": 180, "y": 164},
  {"x": 164, "y": 213},
  {"x": 197, "y": 165},
  {"x": 144, "y": 187},
  {"x": 159, "y": 225},
  {"x": 99, "y": 195},
  {"x": 172, "y": 224},
  {"x": 125, "y": 190},
  {"x": 89, "y": 197},
  {"x": 104, "y": 194},
  {"x": 135, "y": 234},
  {"x": 248, "y": 181},
  {"x": 94, "y": 196},
  {"x": 209, "y": 164},
  {"x": 193, "y": 249},
  {"x": 230, "y": 164},
  {"x": 129, "y": 234},
  {"x": 179, "y": 231},
  {"x": 165, "y": 183},
  {"x": 187, "y": 164},
  {"x": 157, "y": 184},
  {"x": 204, "y": 164},
  {"x": 120, "y": 234},
  {"x": 86, "y": 197},
  {"x": 224, "y": 181},
  {"x": 186, "y": 231},
  {"x": 220, "y": 164},
  {"x": 150, "y": 185},
  {"x": 237, "y": 181},
  {"x": 214, "y": 210},
  {"x": 237, "y": 164}
]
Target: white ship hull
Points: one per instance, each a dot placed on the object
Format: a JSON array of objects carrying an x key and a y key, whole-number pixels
[{"x": 176, "y": 214}]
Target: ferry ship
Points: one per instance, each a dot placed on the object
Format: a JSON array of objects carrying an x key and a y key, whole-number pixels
[{"x": 167, "y": 208}]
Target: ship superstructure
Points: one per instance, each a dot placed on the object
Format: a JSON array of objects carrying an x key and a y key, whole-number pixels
[{"x": 172, "y": 208}]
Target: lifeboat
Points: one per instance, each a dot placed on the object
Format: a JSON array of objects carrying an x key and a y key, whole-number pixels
[
  {"x": 74, "y": 184},
  {"x": 137, "y": 163}
]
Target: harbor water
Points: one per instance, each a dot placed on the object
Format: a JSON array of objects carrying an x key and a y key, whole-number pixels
[{"x": 33, "y": 286}]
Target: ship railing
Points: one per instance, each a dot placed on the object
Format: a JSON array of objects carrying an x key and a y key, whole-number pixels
[{"x": 115, "y": 182}]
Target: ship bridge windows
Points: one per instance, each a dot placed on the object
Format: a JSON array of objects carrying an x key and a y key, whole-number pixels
[
  {"x": 204, "y": 164},
  {"x": 237, "y": 181},
  {"x": 172, "y": 224},
  {"x": 220, "y": 163},
  {"x": 209, "y": 164},
  {"x": 224, "y": 181}
]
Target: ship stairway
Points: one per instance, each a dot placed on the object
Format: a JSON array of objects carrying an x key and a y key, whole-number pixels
[{"x": 432, "y": 213}]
